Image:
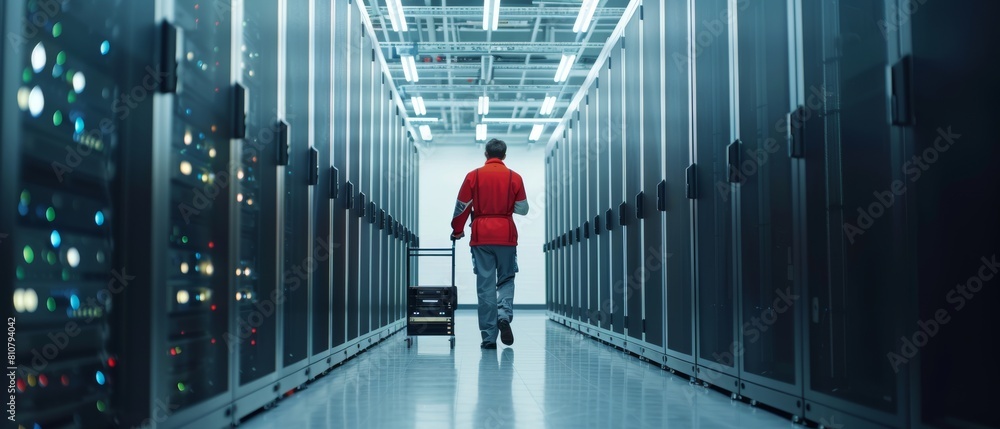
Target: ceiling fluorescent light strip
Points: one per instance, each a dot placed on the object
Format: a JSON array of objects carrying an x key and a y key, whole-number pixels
[
  {"x": 496, "y": 14},
  {"x": 536, "y": 132},
  {"x": 565, "y": 65},
  {"x": 548, "y": 104},
  {"x": 487, "y": 11},
  {"x": 586, "y": 14},
  {"x": 409, "y": 68},
  {"x": 481, "y": 132},
  {"x": 484, "y": 105},
  {"x": 425, "y": 133}
]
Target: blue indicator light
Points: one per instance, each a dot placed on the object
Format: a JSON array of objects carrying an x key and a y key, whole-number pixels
[
  {"x": 99, "y": 218},
  {"x": 100, "y": 378},
  {"x": 55, "y": 238},
  {"x": 74, "y": 302},
  {"x": 105, "y": 47}
]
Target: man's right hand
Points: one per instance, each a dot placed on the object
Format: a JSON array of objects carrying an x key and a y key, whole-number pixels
[{"x": 457, "y": 237}]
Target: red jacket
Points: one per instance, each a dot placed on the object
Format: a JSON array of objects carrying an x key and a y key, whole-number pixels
[{"x": 492, "y": 194}]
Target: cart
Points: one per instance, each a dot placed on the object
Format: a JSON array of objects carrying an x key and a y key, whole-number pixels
[{"x": 430, "y": 310}]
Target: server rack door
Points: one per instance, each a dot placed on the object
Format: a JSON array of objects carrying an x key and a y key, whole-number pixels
[
  {"x": 378, "y": 169},
  {"x": 257, "y": 254},
  {"x": 549, "y": 262},
  {"x": 197, "y": 320},
  {"x": 593, "y": 245},
  {"x": 358, "y": 66},
  {"x": 578, "y": 160},
  {"x": 716, "y": 343},
  {"x": 297, "y": 240},
  {"x": 953, "y": 118},
  {"x": 559, "y": 227},
  {"x": 322, "y": 292},
  {"x": 59, "y": 150},
  {"x": 632, "y": 141},
  {"x": 767, "y": 293},
  {"x": 677, "y": 126},
  {"x": 653, "y": 157},
  {"x": 605, "y": 199},
  {"x": 341, "y": 124},
  {"x": 618, "y": 284},
  {"x": 854, "y": 315},
  {"x": 370, "y": 91}
]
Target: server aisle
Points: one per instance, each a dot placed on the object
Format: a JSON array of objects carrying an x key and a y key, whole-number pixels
[
  {"x": 182, "y": 175},
  {"x": 801, "y": 190}
]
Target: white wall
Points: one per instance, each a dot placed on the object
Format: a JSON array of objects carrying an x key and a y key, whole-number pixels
[{"x": 442, "y": 170}]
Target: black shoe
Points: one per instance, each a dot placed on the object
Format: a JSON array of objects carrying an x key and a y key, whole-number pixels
[
  {"x": 505, "y": 333},
  {"x": 487, "y": 345}
]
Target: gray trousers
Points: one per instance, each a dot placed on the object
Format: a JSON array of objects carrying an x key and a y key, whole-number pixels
[{"x": 494, "y": 267}]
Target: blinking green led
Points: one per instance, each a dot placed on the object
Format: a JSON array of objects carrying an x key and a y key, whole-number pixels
[
  {"x": 50, "y": 214},
  {"x": 71, "y": 97},
  {"x": 25, "y": 197},
  {"x": 29, "y": 254},
  {"x": 20, "y": 273},
  {"x": 51, "y": 258},
  {"x": 57, "y": 118},
  {"x": 61, "y": 58},
  {"x": 100, "y": 406},
  {"x": 65, "y": 275},
  {"x": 26, "y": 75},
  {"x": 50, "y": 304},
  {"x": 184, "y": 239},
  {"x": 57, "y": 29},
  {"x": 180, "y": 386}
]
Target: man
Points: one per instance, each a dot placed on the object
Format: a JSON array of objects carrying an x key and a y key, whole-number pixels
[{"x": 492, "y": 194}]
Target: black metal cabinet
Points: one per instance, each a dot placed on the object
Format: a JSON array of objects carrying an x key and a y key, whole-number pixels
[
  {"x": 358, "y": 69},
  {"x": 852, "y": 301},
  {"x": 677, "y": 157},
  {"x": 633, "y": 283},
  {"x": 604, "y": 194},
  {"x": 341, "y": 126},
  {"x": 297, "y": 237},
  {"x": 653, "y": 146},
  {"x": 716, "y": 343},
  {"x": 768, "y": 295},
  {"x": 322, "y": 277},
  {"x": 616, "y": 86},
  {"x": 592, "y": 179}
]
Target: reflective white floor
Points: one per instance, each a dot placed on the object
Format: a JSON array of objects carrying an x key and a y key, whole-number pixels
[{"x": 551, "y": 378}]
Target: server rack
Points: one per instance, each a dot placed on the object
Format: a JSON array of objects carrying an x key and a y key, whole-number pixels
[
  {"x": 356, "y": 100},
  {"x": 603, "y": 223},
  {"x": 616, "y": 65},
  {"x": 770, "y": 365},
  {"x": 630, "y": 213},
  {"x": 961, "y": 182},
  {"x": 323, "y": 309},
  {"x": 657, "y": 288},
  {"x": 593, "y": 285},
  {"x": 60, "y": 244},
  {"x": 342, "y": 192},
  {"x": 672, "y": 194},
  {"x": 258, "y": 189}
]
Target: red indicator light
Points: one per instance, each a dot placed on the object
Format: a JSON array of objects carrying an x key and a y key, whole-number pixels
[
  {"x": 21, "y": 385},
  {"x": 253, "y": 342},
  {"x": 253, "y": 330},
  {"x": 197, "y": 6},
  {"x": 65, "y": 380},
  {"x": 43, "y": 380},
  {"x": 112, "y": 362},
  {"x": 213, "y": 307},
  {"x": 173, "y": 352},
  {"x": 211, "y": 244},
  {"x": 213, "y": 340}
]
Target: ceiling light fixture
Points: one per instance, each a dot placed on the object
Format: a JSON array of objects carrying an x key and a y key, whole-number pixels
[
  {"x": 587, "y": 10},
  {"x": 418, "y": 106},
  {"x": 396, "y": 17},
  {"x": 424, "y": 119},
  {"x": 425, "y": 133},
  {"x": 409, "y": 68},
  {"x": 481, "y": 132},
  {"x": 548, "y": 105},
  {"x": 491, "y": 14},
  {"x": 484, "y": 105},
  {"x": 536, "y": 132},
  {"x": 565, "y": 65}
]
